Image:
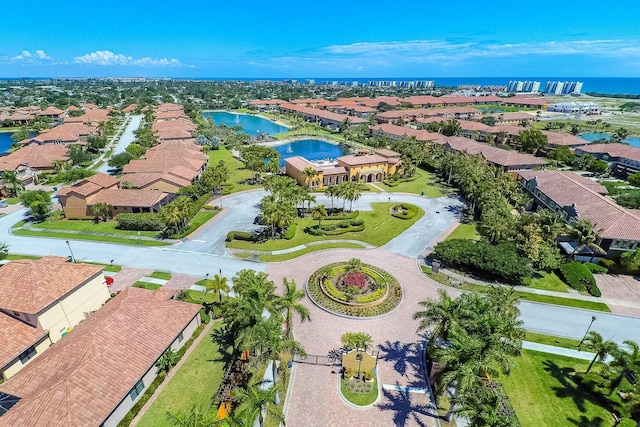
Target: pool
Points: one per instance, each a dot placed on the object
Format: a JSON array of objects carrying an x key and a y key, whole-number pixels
[
  {"x": 593, "y": 136},
  {"x": 250, "y": 124},
  {"x": 310, "y": 149}
]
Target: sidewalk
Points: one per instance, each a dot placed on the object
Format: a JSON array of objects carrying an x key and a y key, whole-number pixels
[
  {"x": 299, "y": 247},
  {"x": 544, "y": 348}
]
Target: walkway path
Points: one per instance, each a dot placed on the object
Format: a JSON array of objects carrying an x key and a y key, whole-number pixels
[
  {"x": 562, "y": 351},
  {"x": 127, "y": 138}
]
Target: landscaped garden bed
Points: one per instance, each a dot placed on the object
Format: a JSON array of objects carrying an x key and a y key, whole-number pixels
[{"x": 354, "y": 289}]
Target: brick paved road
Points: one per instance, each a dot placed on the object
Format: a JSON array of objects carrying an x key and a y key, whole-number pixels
[{"x": 314, "y": 398}]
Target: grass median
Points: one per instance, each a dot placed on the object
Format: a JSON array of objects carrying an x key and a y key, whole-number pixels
[
  {"x": 309, "y": 249},
  {"x": 89, "y": 237}
]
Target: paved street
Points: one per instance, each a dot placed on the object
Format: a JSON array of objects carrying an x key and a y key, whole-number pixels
[{"x": 127, "y": 138}]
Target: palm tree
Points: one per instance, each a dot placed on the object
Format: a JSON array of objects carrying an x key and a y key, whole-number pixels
[
  {"x": 318, "y": 213},
  {"x": 218, "y": 284},
  {"x": 331, "y": 191},
  {"x": 196, "y": 417},
  {"x": 168, "y": 360},
  {"x": 585, "y": 235},
  {"x": 451, "y": 128},
  {"x": 288, "y": 303},
  {"x": 102, "y": 210},
  {"x": 309, "y": 174},
  {"x": 440, "y": 314},
  {"x": 625, "y": 363},
  {"x": 255, "y": 400},
  {"x": 599, "y": 347},
  {"x": 10, "y": 178}
]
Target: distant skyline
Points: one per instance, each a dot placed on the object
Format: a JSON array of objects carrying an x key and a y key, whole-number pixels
[{"x": 336, "y": 39}]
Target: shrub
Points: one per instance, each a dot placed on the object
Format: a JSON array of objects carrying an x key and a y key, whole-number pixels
[
  {"x": 595, "y": 268},
  {"x": 578, "y": 276},
  {"x": 240, "y": 235},
  {"x": 344, "y": 224},
  {"x": 355, "y": 278},
  {"x": 329, "y": 227},
  {"x": 343, "y": 231},
  {"x": 628, "y": 422},
  {"x": 404, "y": 211},
  {"x": 314, "y": 231},
  {"x": 291, "y": 231},
  {"x": 333, "y": 291},
  {"x": 70, "y": 176},
  {"x": 374, "y": 296},
  {"x": 500, "y": 260},
  {"x": 204, "y": 316},
  {"x": 149, "y": 221},
  {"x": 609, "y": 264},
  {"x": 356, "y": 222},
  {"x": 340, "y": 216}
]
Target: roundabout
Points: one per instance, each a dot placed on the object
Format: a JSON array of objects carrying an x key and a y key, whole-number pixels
[{"x": 354, "y": 289}]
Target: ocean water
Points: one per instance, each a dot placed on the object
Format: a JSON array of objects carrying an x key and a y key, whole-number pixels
[{"x": 250, "y": 124}]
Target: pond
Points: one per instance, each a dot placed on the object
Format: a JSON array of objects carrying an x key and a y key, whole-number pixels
[
  {"x": 310, "y": 149},
  {"x": 5, "y": 141},
  {"x": 250, "y": 124},
  {"x": 592, "y": 136}
]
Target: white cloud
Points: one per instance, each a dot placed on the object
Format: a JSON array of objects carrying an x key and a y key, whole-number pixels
[
  {"x": 106, "y": 57},
  {"x": 27, "y": 57},
  {"x": 40, "y": 54}
]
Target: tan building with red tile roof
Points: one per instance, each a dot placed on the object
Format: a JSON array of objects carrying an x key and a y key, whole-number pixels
[
  {"x": 322, "y": 117},
  {"x": 33, "y": 159},
  {"x": 65, "y": 133},
  {"x": 624, "y": 159},
  {"x": 95, "y": 375},
  {"x": 578, "y": 198},
  {"x": 396, "y": 132},
  {"x": 21, "y": 343},
  {"x": 48, "y": 295},
  {"x": 558, "y": 139},
  {"x": 52, "y": 112}
]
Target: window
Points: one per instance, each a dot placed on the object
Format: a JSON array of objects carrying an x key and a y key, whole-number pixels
[
  {"x": 136, "y": 390},
  {"x": 180, "y": 337},
  {"x": 28, "y": 354}
]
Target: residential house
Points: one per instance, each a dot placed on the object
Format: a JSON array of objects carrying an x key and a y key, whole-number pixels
[
  {"x": 397, "y": 133},
  {"x": 623, "y": 159},
  {"x": 577, "y": 198},
  {"x": 64, "y": 134},
  {"x": 97, "y": 373},
  {"x": 31, "y": 160},
  {"x": 48, "y": 297}
]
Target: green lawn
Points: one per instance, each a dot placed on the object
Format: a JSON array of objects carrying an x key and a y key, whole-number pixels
[
  {"x": 197, "y": 221},
  {"x": 361, "y": 399},
  {"x": 380, "y": 228},
  {"x": 238, "y": 173},
  {"x": 163, "y": 275},
  {"x": 90, "y": 237},
  {"x": 549, "y": 282},
  {"x": 309, "y": 249},
  {"x": 88, "y": 226},
  {"x": 465, "y": 231},
  {"x": 147, "y": 285},
  {"x": 542, "y": 393},
  {"x": 423, "y": 184},
  {"x": 193, "y": 385},
  {"x": 551, "y": 340},
  {"x": 13, "y": 257}
]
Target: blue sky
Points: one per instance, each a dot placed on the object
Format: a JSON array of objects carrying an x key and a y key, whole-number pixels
[{"x": 298, "y": 39}]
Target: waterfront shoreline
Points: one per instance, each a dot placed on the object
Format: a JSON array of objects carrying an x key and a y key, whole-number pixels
[{"x": 277, "y": 122}]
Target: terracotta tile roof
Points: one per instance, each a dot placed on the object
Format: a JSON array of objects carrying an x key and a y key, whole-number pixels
[
  {"x": 167, "y": 106},
  {"x": 315, "y": 112},
  {"x": 128, "y": 197},
  {"x": 16, "y": 337},
  {"x": 525, "y": 101},
  {"x": 513, "y": 116},
  {"x": 182, "y": 124},
  {"x": 89, "y": 185},
  {"x": 300, "y": 163},
  {"x": 495, "y": 155},
  {"x": 397, "y": 114},
  {"x": 175, "y": 176},
  {"x": 334, "y": 170},
  {"x": 129, "y": 108},
  {"x": 610, "y": 220},
  {"x": 559, "y": 138},
  {"x": 402, "y": 131},
  {"x": 267, "y": 102},
  {"x": 509, "y": 129},
  {"x": 29, "y": 286},
  {"x": 36, "y": 156},
  {"x": 384, "y": 152},
  {"x": 68, "y": 133},
  {"x": 90, "y": 106},
  {"x": 169, "y": 115},
  {"x": 476, "y": 126},
  {"x": 170, "y": 134},
  {"x": 82, "y": 378},
  {"x": 95, "y": 116},
  {"x": 73, "y": 108},
  {"x": 102, "y": 179},
  {"x": 613, "y": 150},
  {"x": 362, "y": 160},
  {"x": 51, "y": 111}
]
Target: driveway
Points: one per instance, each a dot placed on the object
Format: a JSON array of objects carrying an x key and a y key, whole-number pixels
[{"x": 127, "y": 138}]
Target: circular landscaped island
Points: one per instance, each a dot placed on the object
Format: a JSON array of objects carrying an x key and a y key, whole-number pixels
[{"x": 354, "y": 289}]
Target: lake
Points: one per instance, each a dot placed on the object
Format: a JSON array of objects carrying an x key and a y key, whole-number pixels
[
  {"x": 310, "y": 149},
  {"x": 592, "y": 136},
  {"x": 250, "y": 124},
  {"x": 5, "y": 141}
]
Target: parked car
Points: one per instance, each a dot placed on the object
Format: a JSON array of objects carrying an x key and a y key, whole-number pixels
[{"x": 3, "y": 204}]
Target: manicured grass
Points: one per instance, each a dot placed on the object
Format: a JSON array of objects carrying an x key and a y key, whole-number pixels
[
  {"x": 238, "y": 173},
  {"x": 549, "y": 282},
  {"x": 12, "y": 200},
  {"x": 88, "y": 226},
  {"x": 543, "y": 393},
  {"x": 108, "y": 239},
  {"x": 198, "y": 220},
  {"x": 465, "y": 231},
  {"x": 546, "y": 299},
  {"x": 193, "y": 385},
  {"x": 424, "y": 183},
  {"x": 107, "y": 267},
  {"x": 147, "y": 285},
  {"x": 12, "y": 257},
  {"x": 309, "y": 249},
  {"x": 380, "y": 228},
  {"x": 360, "y": 399},
  {"x": 551, "y": 340},
  {"x": 163, "y": 275}
]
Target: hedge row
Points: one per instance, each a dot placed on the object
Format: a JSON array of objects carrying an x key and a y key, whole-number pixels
[
  {"x": 291, "y": 231},
  {"x": 240, "y": 235},
  {"x": 579, "y": 277},
  {"x": 393, "y": 182},
  {"x": 333, "y": 291},
  {"x": 339, "y": 217},
  {"x": 344, "y": 230},
  {"x": 595, "y": 268},
  {"x": 410, "y": 211},
  {"x": 374, "y": 296},
  {"x": 501, "y": 260},
  {"x": 149, "y": 221}
]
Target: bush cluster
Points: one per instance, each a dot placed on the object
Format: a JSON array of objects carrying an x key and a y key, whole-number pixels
[
  {"x": 373, "y": 296},
  {"x": 344, "y": 230},
  {"x": 404, "y": 211},
  {"x": 579, "y": 277},
  {"x": 595, "y": 268},
  {"x": 333, "y": 291},
  {"x": 240, "y": 235},
  {"x": 149, "y": 221},
  {"x": 291, "y": 231},
  {"x": 395, "y": 180},
  {"x": 338, "y": 216},
  {"x": 500, "y": 260},
  {"x": 71, "y": 175}
]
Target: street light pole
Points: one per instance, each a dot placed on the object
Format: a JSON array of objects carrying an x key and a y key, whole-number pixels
[
  {"x": 593, "y": 319},
  {"x": 73, "y": 258}
]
